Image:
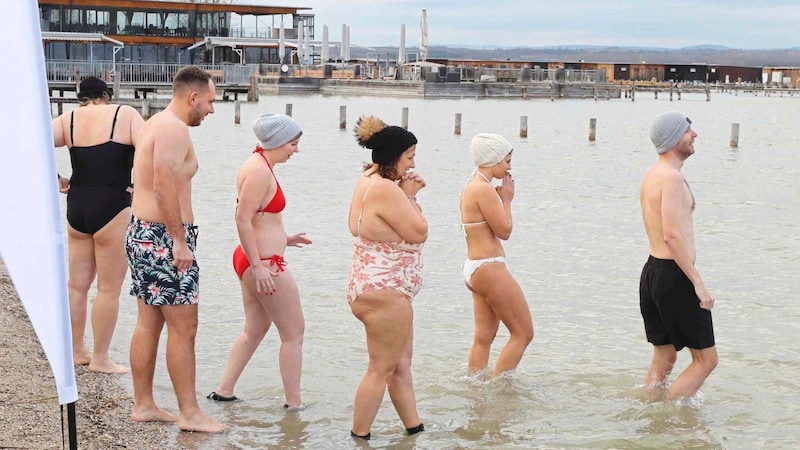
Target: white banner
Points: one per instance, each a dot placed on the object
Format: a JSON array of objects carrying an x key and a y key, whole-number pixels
[{"x": 31, "y": 229}]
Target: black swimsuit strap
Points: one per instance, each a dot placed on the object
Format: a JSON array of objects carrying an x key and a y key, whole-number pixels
[
  {"x": 114, "y": 124},
  {"x": 71, "y": 119}
]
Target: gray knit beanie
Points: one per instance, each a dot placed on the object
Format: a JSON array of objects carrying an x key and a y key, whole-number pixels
[
  {"x": 667, "y": 129},
  {"x": 276, "y": 130}
]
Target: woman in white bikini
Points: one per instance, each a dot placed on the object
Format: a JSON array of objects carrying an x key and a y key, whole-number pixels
[{"x": 485, "y": 220}]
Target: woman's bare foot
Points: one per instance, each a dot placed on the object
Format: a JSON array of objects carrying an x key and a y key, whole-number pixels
[
  {"x": 81, "y": 358},
  {"x": 107, "y": 366},
  {"x": 154, "y": 414},
  {"x": 201, "y": 423}
]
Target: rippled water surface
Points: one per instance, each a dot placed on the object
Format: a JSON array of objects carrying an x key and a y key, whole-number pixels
[{"x": 577, "y": 248}]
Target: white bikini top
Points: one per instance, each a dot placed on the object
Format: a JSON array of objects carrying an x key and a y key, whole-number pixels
[{"x": 465, "y": 225}]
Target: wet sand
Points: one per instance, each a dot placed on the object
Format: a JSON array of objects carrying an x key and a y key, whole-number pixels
[{"x": 31, "y": 416}]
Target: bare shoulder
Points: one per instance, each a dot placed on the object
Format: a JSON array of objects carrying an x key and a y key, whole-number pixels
[
  {"x": 254, "y": 167},
  {"x": 128, "y": 111},
  {"x": 384, "y": 187},
  {"x": 662, "y": 173},
  {"x": 168, "y": 125}
]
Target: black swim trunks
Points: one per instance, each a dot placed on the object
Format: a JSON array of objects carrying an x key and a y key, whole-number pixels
[
  {"x": 155, "y": 279},
  {"x": 670, "y": 307}
]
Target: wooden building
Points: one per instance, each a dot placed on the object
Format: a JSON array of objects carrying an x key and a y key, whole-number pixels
[
  {"x": 160, "y": 31},
  {"x": 734, "y": 74},
  {"x": 686, "y": 73},
  {"x": 781, "y": 76}
]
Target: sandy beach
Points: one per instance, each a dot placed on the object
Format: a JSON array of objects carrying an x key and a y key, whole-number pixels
[{"x": 31, "y": 417}]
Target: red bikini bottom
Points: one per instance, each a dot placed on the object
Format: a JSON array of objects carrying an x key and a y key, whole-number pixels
[{"x": 240, "y": 262}]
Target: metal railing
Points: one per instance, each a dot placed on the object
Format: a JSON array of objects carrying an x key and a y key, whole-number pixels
[{"x": 142, "y": 73}]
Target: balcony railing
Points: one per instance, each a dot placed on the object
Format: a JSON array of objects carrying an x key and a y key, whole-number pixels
[{"x": 142, "y": 73}]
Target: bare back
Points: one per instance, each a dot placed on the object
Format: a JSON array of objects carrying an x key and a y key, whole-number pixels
[
  {"x": 92, "y": 125},
  {"x": 660, "y": 211},
  {"x": 170, "y": 135},
  {"x": 481, "y": 211}
]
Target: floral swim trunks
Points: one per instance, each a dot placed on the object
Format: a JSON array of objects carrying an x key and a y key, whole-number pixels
[{"x": 155, "y": 279}]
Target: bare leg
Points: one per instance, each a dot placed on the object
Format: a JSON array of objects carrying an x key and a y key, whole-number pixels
[
  {"x": 505, "y": 298},
  {"x": 112, "y": 264},
  {"x": 81, "y": 275},
  {"x": 486, "y": 325},
  {"x": 401, "y": 386},
  {"x": 144, "y": 347},
  {"x": 181, "y": 331},
  {"x": 386, "y": 316},
  {"x": 689, "y": 381},
  {"x": 664, "y": 357},
  {"x": 256, "y": 325},
  {"x": 283, "y": 306}
]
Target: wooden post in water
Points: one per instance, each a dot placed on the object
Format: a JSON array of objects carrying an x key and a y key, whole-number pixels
[
  {"x": 145, "y": 109},
  {"x": 734, "y": 135},
  {"x": 116, "y": 85},
  {"x": 252, "y": 91},
  {"x": 670, "y": 90},
  {"x": 237, "y": 107},
  {"x": 457, "y": 128},
  {"x": 342, "y": 117},
  {"x": 592, "y": 129},
  {"x": 404, "y": 118},
  {"x": 523, "y": 126},
  {"x": 289, "y": 109}
]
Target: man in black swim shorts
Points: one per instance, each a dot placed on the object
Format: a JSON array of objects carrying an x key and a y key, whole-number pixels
[{"x": 674, "y": 302}]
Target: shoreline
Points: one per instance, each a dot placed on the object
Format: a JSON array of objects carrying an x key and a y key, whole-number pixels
[{"x": 29, "y": 400}]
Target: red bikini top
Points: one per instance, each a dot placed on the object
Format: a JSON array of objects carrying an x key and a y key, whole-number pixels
[{"x": 278, "y": 202}]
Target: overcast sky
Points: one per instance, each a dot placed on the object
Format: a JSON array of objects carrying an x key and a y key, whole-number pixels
[{"x": 746, "y": 24}]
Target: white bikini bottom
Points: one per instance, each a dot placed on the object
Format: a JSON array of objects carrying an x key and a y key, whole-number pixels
[{"x": 471, "y": 265}]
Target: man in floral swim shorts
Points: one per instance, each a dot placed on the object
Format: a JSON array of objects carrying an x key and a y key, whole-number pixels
[{"x": 160, "y": 243}]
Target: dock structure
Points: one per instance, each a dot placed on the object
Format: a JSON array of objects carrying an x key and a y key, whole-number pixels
[{"x": 65, "y": 76}]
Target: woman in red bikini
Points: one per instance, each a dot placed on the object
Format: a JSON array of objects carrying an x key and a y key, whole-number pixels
[{"x": 269, "y": 291}]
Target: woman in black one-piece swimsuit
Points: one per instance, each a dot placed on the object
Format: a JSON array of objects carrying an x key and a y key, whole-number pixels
[{"x": 101, "y": 138}]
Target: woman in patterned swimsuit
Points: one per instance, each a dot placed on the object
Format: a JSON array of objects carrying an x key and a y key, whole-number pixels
[{"x": 388, "y": 231}]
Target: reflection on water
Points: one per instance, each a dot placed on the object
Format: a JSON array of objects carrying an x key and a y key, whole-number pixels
[{"x": 577, "y": 249}]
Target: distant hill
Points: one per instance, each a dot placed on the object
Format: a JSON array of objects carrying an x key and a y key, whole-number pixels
[{"x": 707, "y": 54}]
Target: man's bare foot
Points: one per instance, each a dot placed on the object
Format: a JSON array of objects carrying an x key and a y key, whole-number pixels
[
  {"x": 200, "y": 423},
  {"x": 81, "y": 358},
  {"x": 107, "y": 366},
  {"x": 154, "y": 414}
]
